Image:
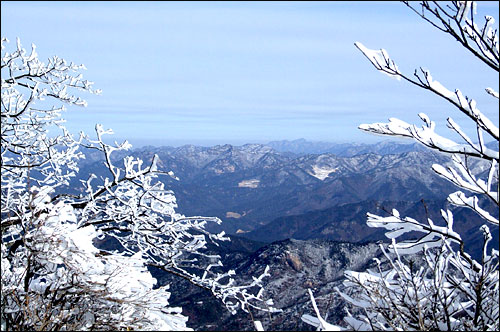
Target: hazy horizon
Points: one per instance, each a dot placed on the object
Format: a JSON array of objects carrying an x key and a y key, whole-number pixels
[{"x": 138, "y": 142}]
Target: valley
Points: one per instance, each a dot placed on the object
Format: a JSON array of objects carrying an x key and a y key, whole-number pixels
[
  {"x": 265, "y": 195},
  {"x": 250, "y": 185},
  {"x": 301, "y": 213}
]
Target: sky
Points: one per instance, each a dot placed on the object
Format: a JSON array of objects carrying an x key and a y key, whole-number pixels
[{"x": 208, "y": 73}]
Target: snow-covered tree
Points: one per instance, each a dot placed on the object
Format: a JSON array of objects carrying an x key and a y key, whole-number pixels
[
  {"x": 431, "y": 282},
  {"x": 54, "y": 273}
]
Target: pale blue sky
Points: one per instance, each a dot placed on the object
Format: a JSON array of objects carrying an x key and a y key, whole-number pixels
[{"x": 206, "y": 73}]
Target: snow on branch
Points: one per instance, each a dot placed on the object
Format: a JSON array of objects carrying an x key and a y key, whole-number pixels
[
  {"x": 380, "y": 60},
  {"x": 462, "y": 177},
  {"x": 458, "y": 20},
  {"x": 424, "y": 79},
  {"x": 492, "y": 92},
  {"x": 428, "y": 281},
  {"x": 459, "y": 199},
  {"x": 318, "y": 321},
  {"x": 431, "y": 236},
  {"x": 427, "y": 136},
  {"x": 50, "y": 253}
]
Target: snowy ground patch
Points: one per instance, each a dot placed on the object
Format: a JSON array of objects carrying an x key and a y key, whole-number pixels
[
  {"x": 252, "y": 183},
  {"x": 234, "y": 215},
  {"x": 322, "y": 172}
]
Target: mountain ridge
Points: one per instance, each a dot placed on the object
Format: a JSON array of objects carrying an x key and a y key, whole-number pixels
[
  {"x": 250, "y": 185},
  {"x": 309, "y": 208}
]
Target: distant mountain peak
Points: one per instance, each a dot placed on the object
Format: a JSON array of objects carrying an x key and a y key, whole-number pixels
[{"x": 302, "y": 146}]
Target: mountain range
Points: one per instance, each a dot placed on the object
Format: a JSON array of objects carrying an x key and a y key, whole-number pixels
[
  {"x": 300, "y": 208},
  {"x": 254, "y": 185},
  {"x": 301, "y": 146}
]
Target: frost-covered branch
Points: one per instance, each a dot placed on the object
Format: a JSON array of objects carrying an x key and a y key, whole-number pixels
[
  {"x": 54, "y": 274},
  {"x": 435, "y": 290},
  {"x": 458, "y": 20},
  {"x": 423, "y": 79},
  {"x": 427, "y": 136},
  {"x": 429, "y": 281}
]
